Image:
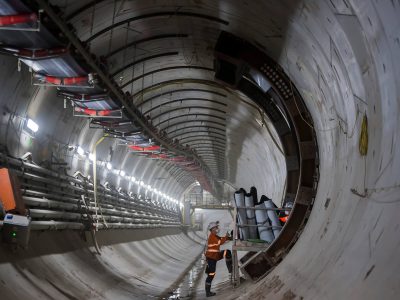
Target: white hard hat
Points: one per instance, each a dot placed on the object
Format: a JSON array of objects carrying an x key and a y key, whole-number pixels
[{"x": 212, "y": 225}]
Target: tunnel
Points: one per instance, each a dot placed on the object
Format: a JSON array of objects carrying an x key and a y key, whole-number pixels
[{"x": 127, "y": 127}]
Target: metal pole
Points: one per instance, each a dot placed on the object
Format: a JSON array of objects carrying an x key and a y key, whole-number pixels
[{"x": 95, "y": 178}]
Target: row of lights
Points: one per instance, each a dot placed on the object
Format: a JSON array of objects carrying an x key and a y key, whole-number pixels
[
  {"x": 80, "y": 151},
  {"x": 34, "y": 127}
]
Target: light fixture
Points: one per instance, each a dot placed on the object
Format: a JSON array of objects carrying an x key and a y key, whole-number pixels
[
  {"x": 133, "y": 179},
  {"x": 80, "y": 150},
  {"x": 91, "y": 156},
  {"x": 32, "y": 125},
  {"x": 109, "y": 166},
  {"x": 122, "y": 173},
  {"x": 141, "y": 183}
]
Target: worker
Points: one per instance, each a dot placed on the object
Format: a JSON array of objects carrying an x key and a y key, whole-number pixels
[
  {"x": 214, "y": 254},
  {"x": 284, "y": 214}
]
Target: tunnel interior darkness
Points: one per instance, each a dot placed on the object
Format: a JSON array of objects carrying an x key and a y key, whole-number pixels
[{"x": 339, "y": 65}]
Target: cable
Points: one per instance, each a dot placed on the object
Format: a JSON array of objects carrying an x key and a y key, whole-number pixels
[{"x": 363, "y": 141}]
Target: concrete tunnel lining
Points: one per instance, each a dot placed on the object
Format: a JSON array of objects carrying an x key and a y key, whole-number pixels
[{"x": 343, "y": 58}]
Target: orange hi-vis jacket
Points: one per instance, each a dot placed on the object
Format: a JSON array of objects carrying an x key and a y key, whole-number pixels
[{"x": 214, "y": 241}]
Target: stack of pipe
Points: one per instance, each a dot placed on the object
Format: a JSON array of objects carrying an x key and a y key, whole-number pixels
[
  {"x": 242, "y": 216},
  {"x": 272, "y": 216},
  {"x": 263, "y": 215},
  {"x": 250, "y": 216},
  {"x": 59, "y": 201}
]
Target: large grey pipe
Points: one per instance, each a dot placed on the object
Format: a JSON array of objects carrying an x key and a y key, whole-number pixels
[
  {"x": 276, "y": 225},
  {"x": 242, "y": 217},
  {"x": 250, "y": 216},
  {"x": 264, "y": 231}
]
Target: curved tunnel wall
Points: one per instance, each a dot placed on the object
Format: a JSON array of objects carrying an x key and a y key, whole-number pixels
[
  {"x": 343, "y": 57},
  {"x": 132, "y": 265}
]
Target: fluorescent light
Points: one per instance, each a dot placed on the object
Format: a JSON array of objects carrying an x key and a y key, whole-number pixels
[
  {"x": 109, "y": 166},
  {"x": 80, "y": 150},
  {"x": 122, "y": 173},
  {"x": 32, "y": 125},
  {"x": 91, "y": 156}
]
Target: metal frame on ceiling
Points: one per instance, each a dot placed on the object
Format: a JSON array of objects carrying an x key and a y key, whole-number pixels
[
  {"x": 201, "y": 134},
  {"x": 190, "y": 108},
  {"x": 294, "y": 127},
  {"x": 117, "y": 94},
  {"x": 155, "y": 15},
  {"x": 170, "y": 92},
  {"x": 163, "y": 70},
  {"x": 181, "y": 100},
  {"x": 147, "y": 39},
  {"x": 194, "y": 126},
  {"x": 221, "y": 142},
  {"x": 203, "y": 137},
  {"x": 147, "y": 58},
  {"x": 192, "y": 121},
  {"x": 166, "y": 83},
  {"x": 186, "y": 116}
]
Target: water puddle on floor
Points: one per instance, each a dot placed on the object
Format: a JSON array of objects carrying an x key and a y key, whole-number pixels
[{"x": 187, "y": 287}]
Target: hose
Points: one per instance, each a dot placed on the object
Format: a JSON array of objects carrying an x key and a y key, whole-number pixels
[{"x": 363, "y": 141}]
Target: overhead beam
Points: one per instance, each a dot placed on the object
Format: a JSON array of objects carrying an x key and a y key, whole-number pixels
[
  {"x": 117, "y": 94},
  {"x": 197, "y": 90},
  {"x": 187, "y": 116},
  {"x": 166, "y": 69}
]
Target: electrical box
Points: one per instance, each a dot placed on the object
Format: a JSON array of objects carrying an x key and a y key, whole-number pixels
[{"x": 16, "y": 230}]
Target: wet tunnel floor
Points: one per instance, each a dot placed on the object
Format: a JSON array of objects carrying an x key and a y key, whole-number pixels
[{"x": 187, "y": 287}]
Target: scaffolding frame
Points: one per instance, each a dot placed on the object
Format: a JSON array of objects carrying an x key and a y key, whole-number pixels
[{"x": 239, "y": 245}]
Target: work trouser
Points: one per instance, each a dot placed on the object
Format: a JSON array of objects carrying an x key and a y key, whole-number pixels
[{"x": 212, "y": 264}]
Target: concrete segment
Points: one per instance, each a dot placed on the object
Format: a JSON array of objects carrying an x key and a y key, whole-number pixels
[{"x": 343, "y": 57}]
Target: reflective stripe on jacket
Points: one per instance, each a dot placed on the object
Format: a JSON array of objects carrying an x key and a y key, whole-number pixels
[{"x": 213, "y": 244}]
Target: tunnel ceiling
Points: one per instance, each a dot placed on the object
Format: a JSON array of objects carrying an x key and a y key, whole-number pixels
[
  {"x": 343, "y": 56},
  {"x": 153, "y": 65},
  {"x": 162, "y": 53}
]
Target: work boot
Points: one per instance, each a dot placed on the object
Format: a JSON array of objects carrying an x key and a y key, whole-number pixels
[
  {"x": 229, "y": 264},
  {"x": 208, "y": 291}
]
